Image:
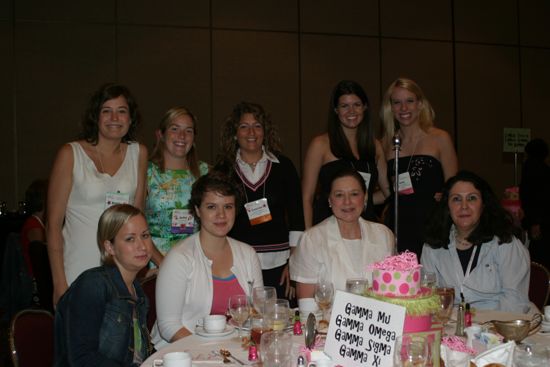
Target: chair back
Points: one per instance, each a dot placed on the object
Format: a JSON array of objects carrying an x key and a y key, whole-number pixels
[
  {"x": 149, "y": 285},
  {"x": 32, "y": 338},
  {"x": 38, "y": 252},
  {"x": 539, "y": 285}
]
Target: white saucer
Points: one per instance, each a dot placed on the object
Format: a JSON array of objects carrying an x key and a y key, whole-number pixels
[{"x": 228, "y": 330}]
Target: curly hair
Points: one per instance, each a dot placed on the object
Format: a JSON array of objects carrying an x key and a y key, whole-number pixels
[
  {"x": 339, "y": 144},
  {"x": 214, "y": 181},
  {"x": 90, "y": 128},
  {"x": 391, "y": 125},
  {"x": 494, "y": 220},
  {"x": 157, "y": 156},
  {"x": 228, "y": 143}
]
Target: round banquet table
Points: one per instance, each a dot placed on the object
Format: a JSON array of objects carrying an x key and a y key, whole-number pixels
[{"x": 205, "y": 350}]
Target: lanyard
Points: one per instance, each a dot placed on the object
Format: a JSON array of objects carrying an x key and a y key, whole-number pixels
[{"x": 468, "y": 269}]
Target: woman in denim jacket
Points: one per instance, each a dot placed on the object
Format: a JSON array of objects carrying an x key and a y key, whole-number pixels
[{"x": 101, "y": 319}]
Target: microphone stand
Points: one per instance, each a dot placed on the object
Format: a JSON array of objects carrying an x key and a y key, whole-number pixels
[{"x": 396, "y": 148}]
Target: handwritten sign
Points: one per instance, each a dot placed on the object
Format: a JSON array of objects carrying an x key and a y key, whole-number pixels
[
  {"x": 515, "y": 139},
  {"x": 362, "y": 331}
]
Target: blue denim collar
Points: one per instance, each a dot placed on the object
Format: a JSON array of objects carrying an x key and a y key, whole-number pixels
[{"x": 119, "y": 287}]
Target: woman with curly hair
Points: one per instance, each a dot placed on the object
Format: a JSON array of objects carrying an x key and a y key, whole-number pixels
[
  {"x": 470, "y": 246},
  {"x": 273, "y": 220},
  {"x": 106, "y": 166},
  {"x": 172, "y": 170},
  {"x": 426, "y": 159}
]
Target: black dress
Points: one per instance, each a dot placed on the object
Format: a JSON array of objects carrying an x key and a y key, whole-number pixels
[
  {"x": 321, "y": 210},
  {"x": 427, "y": 179}
]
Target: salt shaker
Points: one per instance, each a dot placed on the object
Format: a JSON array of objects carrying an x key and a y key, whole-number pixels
[
  {"x": 460, "y": 320},
  {"x": 301, "y": 362}
]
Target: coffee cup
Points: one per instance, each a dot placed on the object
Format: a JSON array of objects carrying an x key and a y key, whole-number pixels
[
  {"x": 174, "y": 359},
  {"x": 547, "y": 313},
  {"x": 214, "y": 323},
  {"x": 321, "y": 363}
]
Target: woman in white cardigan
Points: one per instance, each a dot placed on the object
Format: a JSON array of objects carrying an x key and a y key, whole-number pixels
[
  {"x": 199, "y": 274},
  {"x": 344, "y": 243}
]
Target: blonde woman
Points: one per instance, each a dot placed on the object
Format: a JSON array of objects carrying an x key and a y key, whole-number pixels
[{"x": 427, "y": 158}]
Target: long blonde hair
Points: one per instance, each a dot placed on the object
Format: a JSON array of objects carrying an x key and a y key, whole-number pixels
[
  {"x": 391, "y": 125},
  {"x": 157, "y": 156}
]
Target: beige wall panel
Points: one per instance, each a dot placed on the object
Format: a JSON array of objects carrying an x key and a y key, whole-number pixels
[
  {"x": 189, "y": 13},
  {"x": 66, "y": 10},
  {"x": 167, "y": 67},
  {"x": 8, "y": 175},
  {"x": 325, "y": 61},
  {"x": 262, "y": 68},
  {"x": 272, "y": 15},
  {"x": 536, "y": 93},
  {"x": 425, "y": 19},
  {"x": 534, "y": 15},
  {"x": 358, "y": 17},
  {"x": 487, "y": 101},
  {"x": 431, "y": 67},
  {"x": 59, "y": 66},
  {"x": 487, "y": 21}
]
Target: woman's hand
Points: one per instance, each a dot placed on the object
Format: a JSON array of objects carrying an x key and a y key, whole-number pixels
[{"x": 290, "y": 291}]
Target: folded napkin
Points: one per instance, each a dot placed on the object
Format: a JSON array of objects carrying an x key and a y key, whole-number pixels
[
  {"x": 502, "y": 354},
  {"x": 455, "y": 352}
]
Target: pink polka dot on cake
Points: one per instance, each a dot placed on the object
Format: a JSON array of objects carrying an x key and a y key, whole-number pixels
[
  {"x": 404, "y": 288},
  {"x": 386, "y": 277},
  {"x": 416, "y": 276},
  {"x": 375, "y": 285}
]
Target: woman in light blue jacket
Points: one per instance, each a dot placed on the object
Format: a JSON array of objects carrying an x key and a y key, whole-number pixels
[{"x": 471, "y": 247}]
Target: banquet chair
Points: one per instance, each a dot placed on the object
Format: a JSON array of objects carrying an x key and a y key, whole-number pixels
[
  {"x": 539, "y": 285},
  {"x": 149, "y": 288},
  {"x": 38, "y": 253},
  {"x": 31, "y": 338}
]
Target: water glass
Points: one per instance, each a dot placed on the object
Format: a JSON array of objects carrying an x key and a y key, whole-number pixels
[
  {"x": 410, "y": 351},
  {"x": 428, "y": 280},
  {"x": 324, "y": 292},
  {"x": 277, "y": 316},
  {"x": 276, "y": 347},
  {"x": 357, "y": 285},
  {"x": 239, "y": 309},
  {"x": 263, "y": 297}
]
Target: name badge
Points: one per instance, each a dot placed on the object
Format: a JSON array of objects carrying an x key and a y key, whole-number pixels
[
  {"x": 258, "y": 211},
  {"x": 405, "y": 184},
  {"x": 182, "y": 222},
  {"x": 113, "y": 198},
  {"x": 366, "y": 177}
]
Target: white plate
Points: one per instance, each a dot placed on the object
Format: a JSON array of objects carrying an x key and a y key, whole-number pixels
[{"x": 199, "y": 330}]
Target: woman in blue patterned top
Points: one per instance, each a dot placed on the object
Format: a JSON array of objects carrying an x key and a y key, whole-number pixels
[{"x": 172, "y": 170}]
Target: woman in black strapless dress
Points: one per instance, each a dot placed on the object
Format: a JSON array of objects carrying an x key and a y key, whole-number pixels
[
  {"x": 348, "y": 143},
  {"x": 426, "y": 160}
]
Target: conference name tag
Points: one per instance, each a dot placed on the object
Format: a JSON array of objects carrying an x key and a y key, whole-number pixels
[
  {"x": 405, "y": 184},
  {"x": 114, "y": 198},
  {"x": 258, "y": 211},
  {"x": 182, "y": 222}
]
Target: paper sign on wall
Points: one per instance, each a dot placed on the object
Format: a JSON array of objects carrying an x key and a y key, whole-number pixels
[
  {"x": 362, "y": 331},
  {"x": 515, "y": 139}
]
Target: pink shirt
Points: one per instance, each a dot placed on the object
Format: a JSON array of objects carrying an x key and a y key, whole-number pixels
[{"x": 223, "y": 289}]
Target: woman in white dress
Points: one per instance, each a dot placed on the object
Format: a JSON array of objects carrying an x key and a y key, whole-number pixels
[
  {"x": 344, "y": 244},
  {"x": 106, "y": 166}
]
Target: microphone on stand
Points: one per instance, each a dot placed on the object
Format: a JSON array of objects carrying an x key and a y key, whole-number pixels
[{"x": 396, "y": 147}]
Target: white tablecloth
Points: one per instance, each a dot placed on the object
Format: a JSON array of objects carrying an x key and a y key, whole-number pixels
[{"x": 203, "y": 349}]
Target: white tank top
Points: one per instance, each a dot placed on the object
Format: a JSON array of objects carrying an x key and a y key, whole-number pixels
[{"x": 86, "y": 204}]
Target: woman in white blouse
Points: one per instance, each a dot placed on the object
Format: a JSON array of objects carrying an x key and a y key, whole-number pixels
[
  {"x": 344, "y": 244},
  {"x": 200, "y": 273}
]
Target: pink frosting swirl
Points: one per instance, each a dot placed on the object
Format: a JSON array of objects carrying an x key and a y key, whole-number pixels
[
  {"x": 457, "y": 344},
  {"x": 404, "y": 261}
]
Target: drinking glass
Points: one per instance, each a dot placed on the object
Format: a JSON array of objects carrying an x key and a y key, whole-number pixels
[
  {"x": 263, "y": 297},
  {"x": 239, "y": 309},
  {"x": 446, "y": 302},
  {"x": 357, "y": 285},
  {"x": 277, "y": 315},
  {"x": 324, "y": 292},
  {"x": 276, "y": 347},
  {"x": 410, "y": 351},
  {"x": 428, "y": 280}
]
